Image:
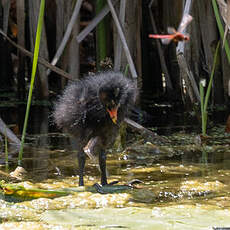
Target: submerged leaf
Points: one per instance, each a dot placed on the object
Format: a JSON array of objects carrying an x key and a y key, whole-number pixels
[{"x": 22, "y": 193}]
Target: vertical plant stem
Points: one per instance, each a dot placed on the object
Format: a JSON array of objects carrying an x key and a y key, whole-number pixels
[
  {"x": 211, "y": 77},
  {"x": 202, "y": 108},
  {"x": 221, "y": 29},
  {"x": 126, "y": 70},
  {"x": 123, "y": 41},
  {"x": 33, "y": 74},
  {"x": 204, "y": 101},
  {"x": 101, "y": 45}
]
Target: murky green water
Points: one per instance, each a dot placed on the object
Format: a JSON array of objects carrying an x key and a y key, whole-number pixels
[{"x": 186, "y": 185}]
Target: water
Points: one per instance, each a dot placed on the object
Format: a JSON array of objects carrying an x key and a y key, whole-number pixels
[{"x": 185, "y": 182}]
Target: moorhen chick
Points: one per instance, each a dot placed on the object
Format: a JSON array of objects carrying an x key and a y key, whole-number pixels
[{"x": 92, "y": 109}]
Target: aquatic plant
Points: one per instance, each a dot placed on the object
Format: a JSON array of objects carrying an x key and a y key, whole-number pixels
[
  {"x": 126, "y": 70},
  {"x": 204, "y": 99},
  {"x": 221, "y": 29},
  {"x": 202, "y": 84},
  {"x": 204, "y": 104},
  {"x": 33, "y": 74}
]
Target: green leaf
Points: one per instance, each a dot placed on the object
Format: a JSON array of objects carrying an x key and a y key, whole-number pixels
[{"x": 33, "y": 74}]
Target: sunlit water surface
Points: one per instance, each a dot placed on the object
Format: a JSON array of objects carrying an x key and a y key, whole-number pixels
[{"x": 186, "y": 185}]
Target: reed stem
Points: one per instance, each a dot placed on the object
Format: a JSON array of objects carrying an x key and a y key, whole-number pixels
[{"x": 33, "y": 74}]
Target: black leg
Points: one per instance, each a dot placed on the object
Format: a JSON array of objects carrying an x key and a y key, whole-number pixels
[
  {"x": 81, "y": 165},
  {"x": 102, "y": 163}
]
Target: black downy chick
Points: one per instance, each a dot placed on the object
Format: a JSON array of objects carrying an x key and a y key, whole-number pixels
[{"x": 93, "y": 107}]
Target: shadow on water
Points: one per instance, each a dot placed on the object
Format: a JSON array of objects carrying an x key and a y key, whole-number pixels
[{"x": 185, "y": 181}]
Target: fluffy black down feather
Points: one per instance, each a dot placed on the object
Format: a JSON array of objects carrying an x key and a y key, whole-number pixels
[{"x": 80, "y": 111}]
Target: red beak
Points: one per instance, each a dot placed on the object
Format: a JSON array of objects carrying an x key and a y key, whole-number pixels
[{"x": 113, "y": 114}]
